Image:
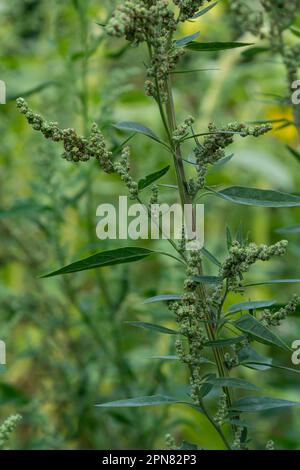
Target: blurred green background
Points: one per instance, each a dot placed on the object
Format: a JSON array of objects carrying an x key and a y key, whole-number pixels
[{"x": 68, "y": 346}]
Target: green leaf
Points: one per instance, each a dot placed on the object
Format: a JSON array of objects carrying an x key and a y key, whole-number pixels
[
  {"x": 148, "y": 180},
  {"x": 22, "y": 208},
  {"x": 294, "y": 152},
  {"x": 291, "y": 229},
  {"x": 10, "y": 394},
  {"x": 250, "y": 305},
  {"x": 248, "y": 324},
  {"x": 105, "y": 258},
  {"x": 135, "y": 127},
  {"x": 210, "y": 257},
  {"x": 249, "y": 357},
  {"x": 153, "y": 400},
  {"x": 215, "y": 46},
  {"x": 166, "y": 358},
  {"x": 253, "y": 404},
  {"x": 254, "y": 51},
  {"x": 275, "y": 281},
  {"x": 162, "y": 298},
  {"x": 295, "y": 31},
  {"x": 151, "y": 326},
  {"x": 258, "y": 197},
  {"x": 188, "y": 446},
  {"x": 205, "y": 10},
  {"x": 224, "y": 160},
  {"x": 231, "y": 382},
  {"x": 187, "y": 39},
  {"x": 206, "y": 386},
  {"x": 207, "y": 279},
  {"x": 220, "y": 343}
]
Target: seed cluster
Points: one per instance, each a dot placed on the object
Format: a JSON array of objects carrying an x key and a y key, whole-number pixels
[
  {"x": 8, "y": 427},
  {"x": 222, "y": 411},
  {"x": 270, "y": 318},
  {"x": 213, "y": 148},
  {"x": 241, "y": 258},
  {"x": 249, "y": 19},
  {"x": 76, "y": 148},
  {"x": 122, "y": 167}
]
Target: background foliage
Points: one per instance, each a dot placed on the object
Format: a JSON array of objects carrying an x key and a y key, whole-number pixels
[{"x": 68, "y": 346}]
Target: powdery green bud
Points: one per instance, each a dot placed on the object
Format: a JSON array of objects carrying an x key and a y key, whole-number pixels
[
  {"x": 236, "y": 445},
  {"x": 122, "y": 167},
  {"x": 76, "y": 148},
  {"x": 170, "y": 442},
  {"x": 8, "y": 427},
  {"x": 270, "y": 445},
  {"x": 275, "y": 318},
  {"x": 247, "y": 16},
  {"x": 222, "y": 411}
]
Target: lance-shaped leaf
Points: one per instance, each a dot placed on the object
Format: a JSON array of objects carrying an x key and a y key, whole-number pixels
[
  {"x": 250, "y": 305},
  {"x": 231, "y": 382},
  {"x": 253, "y": 404},
  {"x": 220, "y": 343},
  {"x": 294, "y": 153},
  {"x": 210, "y": 257},
  {"x": 205, "y": 10},
  {"x": 153, "y": 400},
  {"x": 214, "y": 46},
  {"x": 148, "y": 180},
  {"x": 151, "y": 326},
  {"x": 248, "y": 324},
  {"x": 163, "y": 298},
  {"x": 105, "y": 258},
  {"x": 138, "y": 128},
  {"x": 290, "y": 229},
  {"x": 187, "y": 39},
  {"x": 273, "y": 281},
  {"x": 258, "y": 197}
]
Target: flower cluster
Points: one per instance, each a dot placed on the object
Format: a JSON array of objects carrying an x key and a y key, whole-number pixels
[
  {"x": 242, "y": 257},
  {"x": 281, "y": 12},
  {"x": 249, "y": 19},
  {"x": 275, "y": 318},
  {"x": 122, "y": 167},
  {"x": 182, "y": 130},
  {"x": 153, "y": 22},
  {"x": 190, "y": 313},
  {"x": 8, "y": 427},
  {"x": 188, "y": 8},
  {"x": 222, "y": 411},
  {"x": 213, "y": 148},
  {"x": 76, "y": 148}
]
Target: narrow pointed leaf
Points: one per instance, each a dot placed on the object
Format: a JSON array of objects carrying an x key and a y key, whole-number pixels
[
  {"x": 220, "y": 343},
  {"x": 151, "y": 326},
  {"x": 294, "y": 153},
  {"x": 210, "y": 257},
  {"x": 163, "y": 298},
  {"x": 258, "y": 197},
  {"x": 135, "y": 127},
  {"x": 250, "y": 305},
  {"x": 287, "y": 230},
  {"x": 187, "y": 39},
  {"x": 232, "y": 382},
  {"x": 253, "y": 404},
  {"x": 205, "y": 10},
  {"x": 215, "y": 46},
  {"x": 104, "y": 258},
  {"x": 148, "y": 180},
  {"x": 153, "y": 400},
  {"x": 249, "y": 324},
  {"x": 274, "y": 281}
]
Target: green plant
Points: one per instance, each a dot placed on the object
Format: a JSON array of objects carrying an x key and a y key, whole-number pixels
[{"x": 214, "y": 343}]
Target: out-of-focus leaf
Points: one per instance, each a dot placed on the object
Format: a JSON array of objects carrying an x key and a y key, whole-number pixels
[
  {"x": 253, "y": 404},
  {"x": 254, "y": 51},
  {"x": 188, "y": 446},
  {"x": 273, "y": 281},
  {"x": 294, "y": 152},
  {"x": 151, "y": 326},
  {"x": 21, "y": 209},
  {"x": 162, "y": 298},
  {"x": 207, "y": 279},
  {"x": 148, "y": 180},
  {"x": 33, "y": 90},
  {"x": 10, "y": 394},
  {"x": 153, "y": 400},
  {"x": 287, "y": 230},
  {"x": 258, "y": 197}
]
